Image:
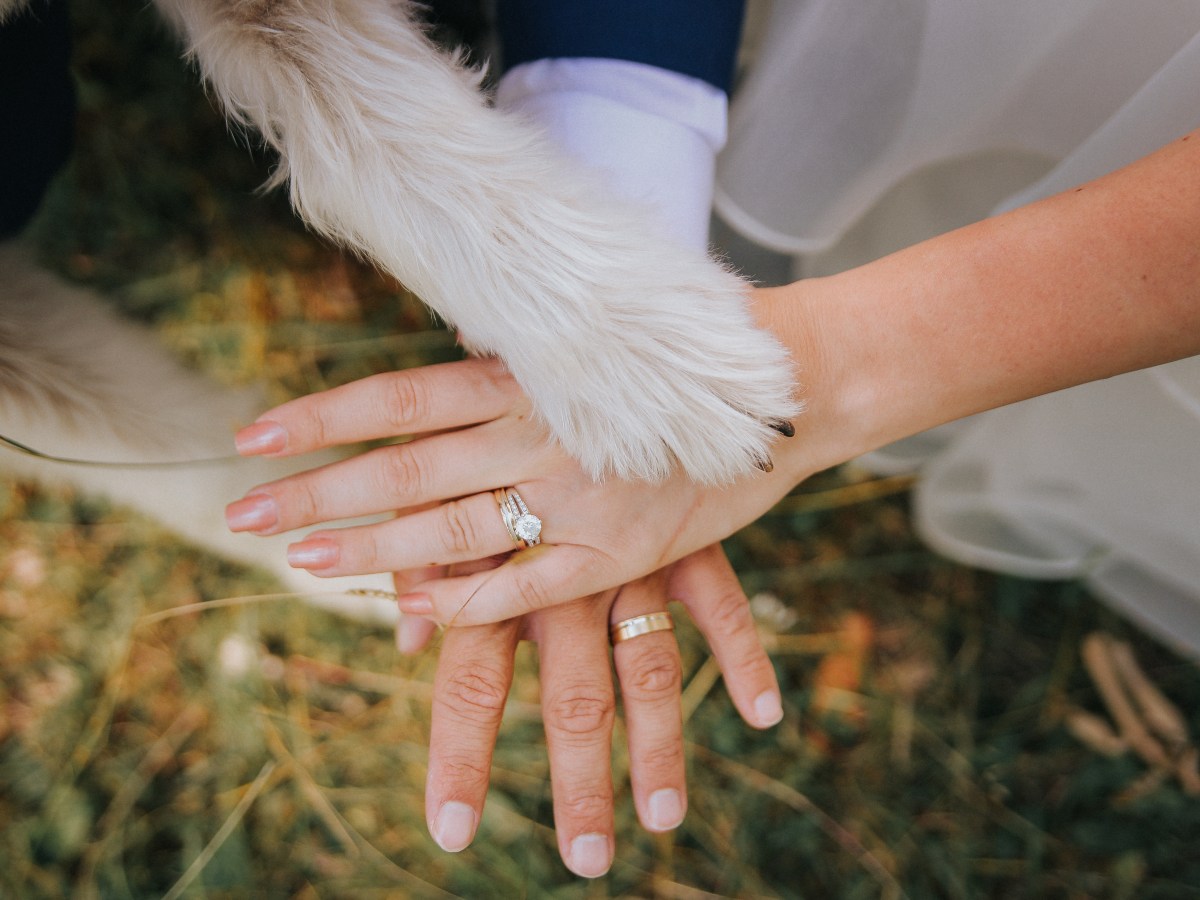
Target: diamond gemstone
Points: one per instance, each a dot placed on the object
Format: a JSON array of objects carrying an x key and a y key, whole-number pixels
[{"x": 528, "y": 527}]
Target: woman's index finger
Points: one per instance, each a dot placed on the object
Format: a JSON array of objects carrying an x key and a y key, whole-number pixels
[{"x": 391, "y": 404}]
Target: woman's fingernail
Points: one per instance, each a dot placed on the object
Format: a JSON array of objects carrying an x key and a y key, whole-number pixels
[
  {"x": 412, "y": 634},
  {"x": 415, "y": 604},
  {"x": 315, "y": 554},
  {"x": 784, "y": 427},
  {"x": 590, "y": 855},
  {"x": 768, "y": 709},
  {"x": 261, "y": 437},
  {"x": 253, "y": 513},
  {"x": 454, "y": 826},
  {"x": 664, "y": 810},
  {"x": 765, "y": 464}
]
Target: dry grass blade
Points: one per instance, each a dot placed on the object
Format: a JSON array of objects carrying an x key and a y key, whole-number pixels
[
  {"x": 800, "y": 644},
  {"x": 863, "y": 492},
  {"x": 98, "y": 722},
  {"x": 797, "y": 801},
  {"x": 673, "y": 890},
  {"x": 961, "y": 771},
  {"x": 157, "y": 756},
  {"x": 187, "y": 609},
  {"x": 698, "y": 687},
  {"x": 156, "y": 213},
  {"x": 231, "y": 822},
  {"x": 309, "y": 787}
]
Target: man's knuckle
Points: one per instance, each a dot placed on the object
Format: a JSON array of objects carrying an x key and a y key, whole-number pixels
[
  {"x": 463, "y": 769},
  {"x": 587, "y": 804},
  {"x": 661, "y": 756},
  {"x": 730, "y": 614},
  {"x": 655, "y": 674},
  {"x": 584, "y": 710},
  {"x": 475, "y": 692},
  {"x": 749, "y": 666}
]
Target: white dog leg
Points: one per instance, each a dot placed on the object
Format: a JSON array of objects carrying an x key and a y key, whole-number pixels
[
  {"x": 638, "y": 354},
  {"x": 78, "y": 382}
]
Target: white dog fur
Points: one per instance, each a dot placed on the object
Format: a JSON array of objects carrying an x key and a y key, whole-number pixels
[
  {"x": 638, "y": 354},
  {"x": 77, "y": 381}
]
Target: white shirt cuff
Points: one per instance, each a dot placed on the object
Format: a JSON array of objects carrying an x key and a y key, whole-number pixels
[{"x": 654, "y": 135}]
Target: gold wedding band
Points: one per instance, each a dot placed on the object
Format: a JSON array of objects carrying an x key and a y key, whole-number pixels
[
  {"x": 639, "y": 625},
  {"x": 523, "y": 526}
]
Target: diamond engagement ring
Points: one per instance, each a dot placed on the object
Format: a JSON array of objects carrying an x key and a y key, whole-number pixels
[{"x": 523, "y": 526}]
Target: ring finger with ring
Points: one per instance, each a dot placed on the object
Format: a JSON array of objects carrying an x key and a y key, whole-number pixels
[
  {"x": 646, "y": 657},
  {"x": 458, "y": 531}
]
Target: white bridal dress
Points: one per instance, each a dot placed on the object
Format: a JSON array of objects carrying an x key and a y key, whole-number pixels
[{"x": 864, "y": 124}]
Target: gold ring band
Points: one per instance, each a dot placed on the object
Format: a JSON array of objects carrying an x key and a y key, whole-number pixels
[
  {"x": 523, "y": 526},
  {"x": 639, "y": 625}
]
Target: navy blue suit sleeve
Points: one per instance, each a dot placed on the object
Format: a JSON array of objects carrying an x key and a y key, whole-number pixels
[
  {"x": 693, "y": 37},
  {"x": 37, "y": 108}
]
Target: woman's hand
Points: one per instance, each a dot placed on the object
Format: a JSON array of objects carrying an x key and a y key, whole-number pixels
[
  {"x": 475, "y": 668},
  {"x": 474, "y": 433},
  {"x": 996, "y": 312}
]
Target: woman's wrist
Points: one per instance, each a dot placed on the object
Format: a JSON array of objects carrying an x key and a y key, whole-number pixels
[
  {"x": 1077, "y": 287},
  {"x": 834, "y": 379}
]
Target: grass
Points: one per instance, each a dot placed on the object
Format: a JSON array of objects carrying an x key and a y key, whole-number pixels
[{"x": 267, "y": 750}]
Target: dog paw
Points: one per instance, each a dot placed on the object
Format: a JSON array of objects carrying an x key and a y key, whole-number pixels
[{"x": 663, "y": 369}]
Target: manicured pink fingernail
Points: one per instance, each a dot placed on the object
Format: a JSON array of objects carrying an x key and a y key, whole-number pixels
[
  {"x": 254, "y": 513},
  {"x": 590, "y": 855},
  {"x": 261, "y": 437},
  {"x": 320, "y": 553},
  {"x": 664, "y": 810},
  {"x": 454, "y": 826},
  {"x": 415, "y": 604},
  {"x": 768, "y": 709}
]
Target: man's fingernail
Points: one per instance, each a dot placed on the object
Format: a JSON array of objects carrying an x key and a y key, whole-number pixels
[
  {"x": 454, "y": 826},
  {"x": 415, "y": 604},
  {"x": 768, "y": 709},
  {"x": 253, "y": 513},
  {"x": 261, "y": 437},
  {"x": 784, "y": 427},
  {"x": 664, "y": 810},
  {"x": 315, "y": 554},
  {"x": 590, "y": 856}
]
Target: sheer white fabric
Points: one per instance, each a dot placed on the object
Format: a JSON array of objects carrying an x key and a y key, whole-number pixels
[{"x": 848, "y": 99}]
